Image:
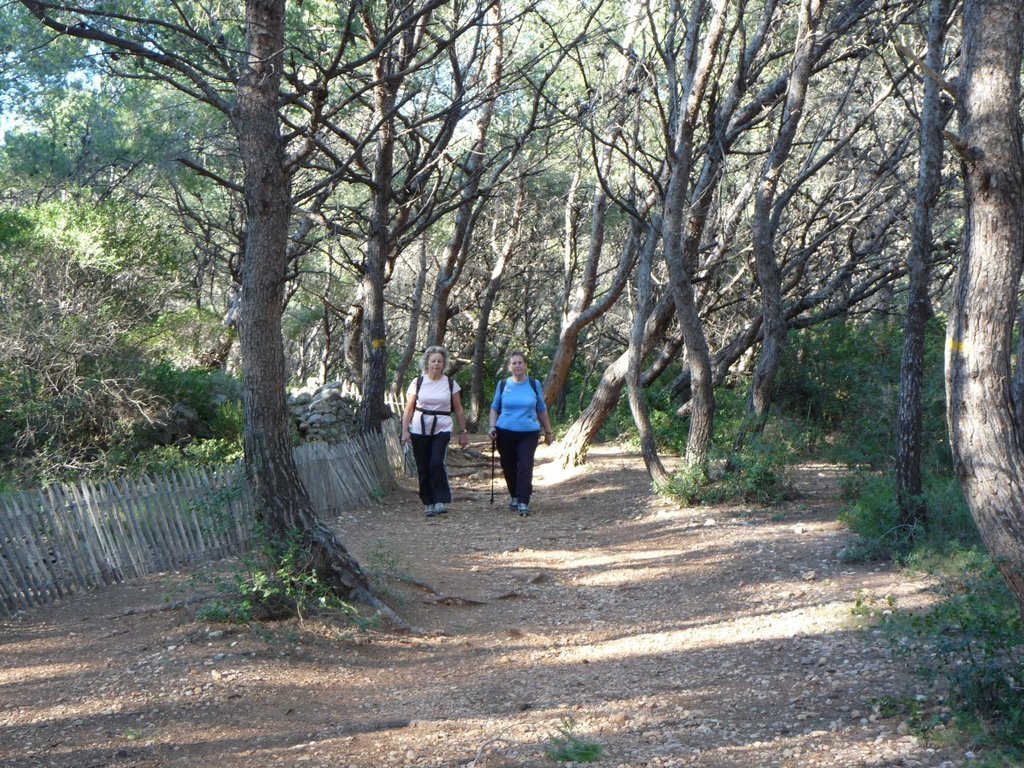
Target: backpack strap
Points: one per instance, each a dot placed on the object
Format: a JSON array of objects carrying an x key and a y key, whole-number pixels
[
  {"x": 424, "y": 413},
  {"x": 533, "y": 383},
  {"x": 536, "y": 389}
]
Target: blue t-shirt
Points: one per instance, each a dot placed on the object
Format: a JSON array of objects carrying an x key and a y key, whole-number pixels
[{"x": 517, "y": 405}]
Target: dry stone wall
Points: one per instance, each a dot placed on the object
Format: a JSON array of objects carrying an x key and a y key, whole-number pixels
[{"x": 325, "y": 414}]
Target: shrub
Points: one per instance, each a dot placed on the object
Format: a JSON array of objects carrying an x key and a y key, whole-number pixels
[
  {"x": 974, "y": 640},
  {"x": 874, "y": 515},
  {"x": 277, "y": 582},
  {"x": 756, "y": 474},
  {"x": 842, "y": 378}
]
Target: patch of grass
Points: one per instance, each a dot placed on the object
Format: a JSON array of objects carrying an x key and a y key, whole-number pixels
[{"x": 565, "y": 746}]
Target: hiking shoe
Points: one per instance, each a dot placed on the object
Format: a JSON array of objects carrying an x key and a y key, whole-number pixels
[
  {"x": 440, "y": 509},
  {"x": 513, "y": 505},
  {"x": 430, "y": 510},
  {"x": 524, "y": 510}
]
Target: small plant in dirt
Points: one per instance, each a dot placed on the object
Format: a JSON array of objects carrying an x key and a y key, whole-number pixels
[
  {"x": 384, "y": 561},
  {"x": 565, "y": 746},
  {"x": 870, "y": 609},
  {"x": 275, "y": 583}
]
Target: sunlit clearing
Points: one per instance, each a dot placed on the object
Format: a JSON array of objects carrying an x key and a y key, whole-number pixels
[
  {"x": 775, "y": 626},
  {"x": 30, "y": 673}
]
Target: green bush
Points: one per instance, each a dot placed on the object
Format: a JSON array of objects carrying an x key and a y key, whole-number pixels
[
  {"x": 277, "y": 582},
  {"x": 974, "y": 640},
  {"x": 202, "y": 390},
  {"x": 756, "y": 474},
  {"x": 874, "y": 515}
]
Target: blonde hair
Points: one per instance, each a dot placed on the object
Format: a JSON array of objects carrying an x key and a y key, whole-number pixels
[{"x": 434, "y": 350}]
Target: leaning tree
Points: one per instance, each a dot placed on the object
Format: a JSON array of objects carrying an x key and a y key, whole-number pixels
[{"x": 988, "y": 447}]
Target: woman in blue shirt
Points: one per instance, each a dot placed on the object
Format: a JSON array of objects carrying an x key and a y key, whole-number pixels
[{"x": 518, "y": 413}]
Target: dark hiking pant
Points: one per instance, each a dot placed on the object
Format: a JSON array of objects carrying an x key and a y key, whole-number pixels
[
  {"x": 516, "y": 450},
  {"x": 430, "y": 452}
]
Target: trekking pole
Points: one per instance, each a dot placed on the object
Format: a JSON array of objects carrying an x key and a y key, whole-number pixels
[{"x": 492, "y": 470}]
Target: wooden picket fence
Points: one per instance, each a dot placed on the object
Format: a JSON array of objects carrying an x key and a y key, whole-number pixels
[{"x": 58, "y": 540}]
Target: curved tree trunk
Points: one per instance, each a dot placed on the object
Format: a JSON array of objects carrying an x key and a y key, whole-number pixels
[
  {"x": 695, "y": 82},
  {"x": 988, "y": 452},
  {"x": 919, "y": 260},
  {"x": 606, "y": 396},
  {"x": 478, "y": 402},
  {"x": 579, "y": 309},
  {"x": 634, "y": 356},
  {"x": 766, "y": 264},
  {"x": 473, "y": 164}
]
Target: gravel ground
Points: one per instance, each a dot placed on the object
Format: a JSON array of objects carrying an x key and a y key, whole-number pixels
[{"x": 666, "y": 636}]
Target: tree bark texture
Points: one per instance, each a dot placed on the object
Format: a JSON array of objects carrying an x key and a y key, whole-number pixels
[
  {"x": 378, "y": 248},
  {"x": 987, "y": 450},
  {"x": 919, "y": 262}
]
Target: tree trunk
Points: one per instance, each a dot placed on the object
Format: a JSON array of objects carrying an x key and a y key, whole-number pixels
[
  {"x": 473, "y": 165},
  {"x": 479, "y": 402},
  {"x": 919, "y": 261},
  {"x": 695, "y": 83},
  {"x": 378, "y": 251},
  {"x": 412, "y": 334},
  {"x": 634, "y": 355},
  {"x": 283, "y": 503},
  {"x": 578, "y": 308},
  {"x": 766, "y": 264},
  {"x": 988, "y": 453},
  {"x": 606, "y": 396}
]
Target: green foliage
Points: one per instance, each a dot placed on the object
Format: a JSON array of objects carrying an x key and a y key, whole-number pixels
[
  {"x": 213, "y": 395},
  {"x": 874, "y": 515},
  {"x": 756, "y": 474},
  {"x": 842, "y": 378},
  {"x": 160, "y": 459},
  {"x": 973, "y": 640},
  {"x": 80, "y": 280},
  {"x": 565, "y": 746},
  {"x": 277, "y": 582}
]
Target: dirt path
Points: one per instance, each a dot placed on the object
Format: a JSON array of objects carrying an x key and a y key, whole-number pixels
[{"x": 668, "y": 636}]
